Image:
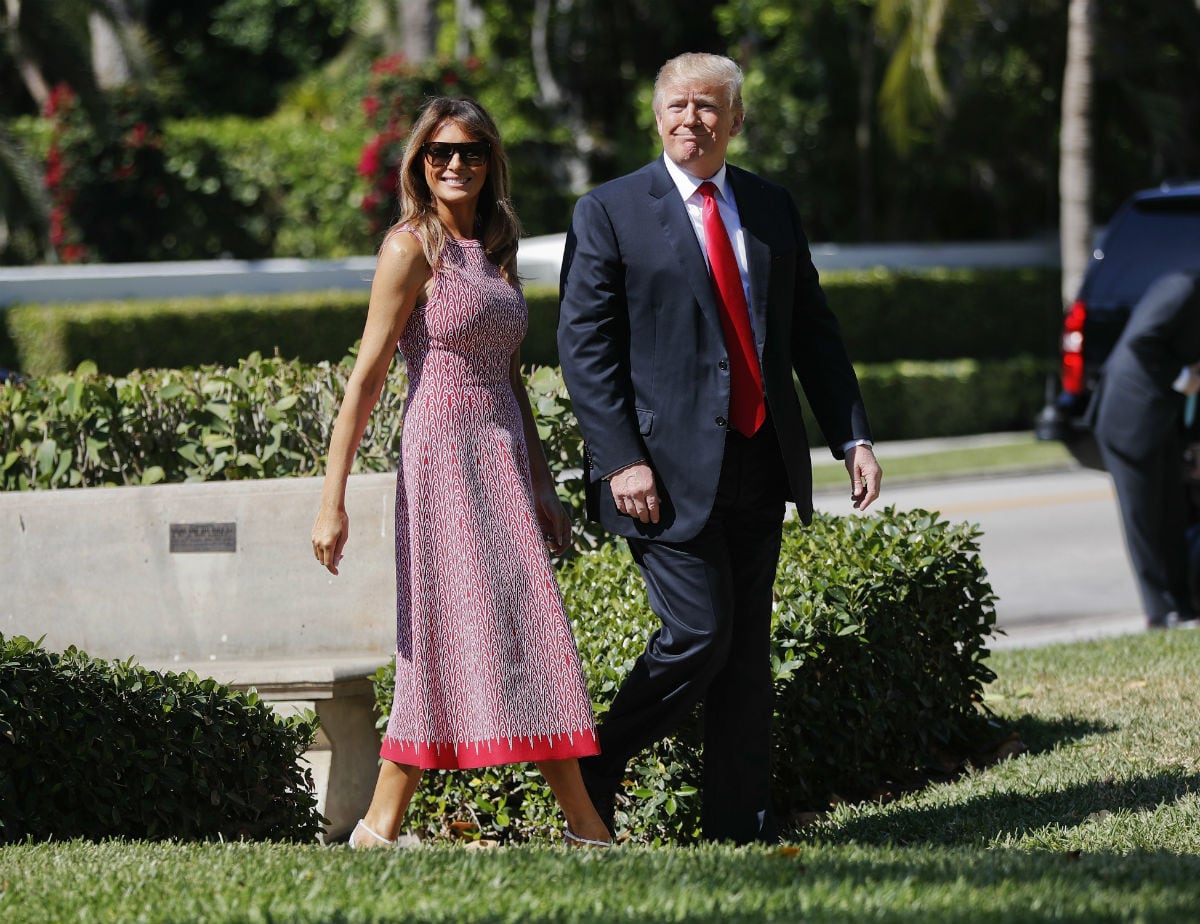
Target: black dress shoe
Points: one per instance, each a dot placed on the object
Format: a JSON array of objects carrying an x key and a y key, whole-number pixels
[{"x": 1173, "y": 620}]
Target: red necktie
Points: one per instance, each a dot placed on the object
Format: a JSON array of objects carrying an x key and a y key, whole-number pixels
[{"x": 746, "y": 408}]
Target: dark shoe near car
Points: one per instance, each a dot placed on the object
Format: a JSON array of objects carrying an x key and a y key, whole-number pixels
[{"x": 1173, "y": 621}]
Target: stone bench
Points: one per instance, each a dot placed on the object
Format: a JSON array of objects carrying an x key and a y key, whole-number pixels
[{"x": 219, "y": 578}]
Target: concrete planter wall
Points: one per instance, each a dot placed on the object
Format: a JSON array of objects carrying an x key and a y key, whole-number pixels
[{"x": 219, "y": 578}]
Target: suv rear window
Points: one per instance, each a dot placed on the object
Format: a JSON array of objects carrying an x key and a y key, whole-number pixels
[{"x": 1155, "y": 236}]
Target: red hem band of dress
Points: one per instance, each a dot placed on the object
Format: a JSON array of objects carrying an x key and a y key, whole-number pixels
[{"x": 491, "y": 753}]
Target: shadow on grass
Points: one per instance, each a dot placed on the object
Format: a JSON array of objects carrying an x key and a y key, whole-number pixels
[
  {"x": 984, "y": 819},
  {"x": 1041, "y": 734}
]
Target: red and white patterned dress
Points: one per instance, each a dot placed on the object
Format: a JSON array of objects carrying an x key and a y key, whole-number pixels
[{"x": 487, "y": 671}]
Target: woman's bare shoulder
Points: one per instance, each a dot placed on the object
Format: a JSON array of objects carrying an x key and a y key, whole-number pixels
[{"x": 401, "y": 254}]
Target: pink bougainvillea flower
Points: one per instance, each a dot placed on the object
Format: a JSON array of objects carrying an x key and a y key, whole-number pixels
[
  {"x": 369, "y": 160},
  {"x": 137, "y": 135},
  {"x": 57, "y": 233}
]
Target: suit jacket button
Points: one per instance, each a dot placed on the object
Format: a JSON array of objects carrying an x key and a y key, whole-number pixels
[
  {"x": 724, "y": 364},
  {"x": 720, "y": 421}
]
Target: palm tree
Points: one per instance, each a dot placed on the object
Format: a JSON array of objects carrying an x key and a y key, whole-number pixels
[
  {"x": 1075, "y": 148},
  {"x": 912, "y": 94},
  {"x": 52, "y": 43}
]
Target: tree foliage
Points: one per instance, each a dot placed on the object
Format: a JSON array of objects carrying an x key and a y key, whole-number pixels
[
  {"x": 887, "y": 119},
  {"x": 237, "y": 56}
]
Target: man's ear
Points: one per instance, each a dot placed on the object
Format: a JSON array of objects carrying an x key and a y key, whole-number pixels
[{"x": 738, "y": 121}]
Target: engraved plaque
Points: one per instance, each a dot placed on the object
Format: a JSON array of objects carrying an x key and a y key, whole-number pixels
[{"x": 203, "y": 537}]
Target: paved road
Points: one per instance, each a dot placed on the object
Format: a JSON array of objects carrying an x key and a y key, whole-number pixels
[{"x": 1052, "y": 545}]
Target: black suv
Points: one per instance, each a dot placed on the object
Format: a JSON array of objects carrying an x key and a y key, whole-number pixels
[{"x": 1156, "y": 231}]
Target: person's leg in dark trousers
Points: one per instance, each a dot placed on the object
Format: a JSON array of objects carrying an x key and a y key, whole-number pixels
[
  {"x": 738, "y": 704},
  {"x": 1150, "y": 497},
  {"x": 712, "y": 595}
]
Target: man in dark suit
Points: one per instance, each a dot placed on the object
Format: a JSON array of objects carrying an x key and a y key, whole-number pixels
[
  {"x": 685, "y": 308},
  {"x": 1135, "y": 415}
]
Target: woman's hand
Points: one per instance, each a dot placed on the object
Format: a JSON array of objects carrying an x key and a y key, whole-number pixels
[
  {"x": 329, "y": 535},
  {"x": 554, "y": 520}
]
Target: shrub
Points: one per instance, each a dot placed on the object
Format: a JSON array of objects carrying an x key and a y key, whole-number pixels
[
  {"x": 98, "y": 749},
  {"x": 119, "y": 195},
  {"x": 262, "y": 418},
  {"x": 891, "y": 315},
  {"x": 266, "y": 418},
  {"x": 299, "y": 184},
  {"x": 879, "y": 644}
]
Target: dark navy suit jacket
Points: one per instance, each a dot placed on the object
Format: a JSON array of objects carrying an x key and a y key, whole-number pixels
[{"x": 643, "y": 353}]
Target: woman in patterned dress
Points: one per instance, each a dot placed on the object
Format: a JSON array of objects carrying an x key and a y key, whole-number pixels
[{"x": 487, "y": 671}]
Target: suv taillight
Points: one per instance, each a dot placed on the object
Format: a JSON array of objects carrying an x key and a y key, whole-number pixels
[{"x": 1072, "y": 348}]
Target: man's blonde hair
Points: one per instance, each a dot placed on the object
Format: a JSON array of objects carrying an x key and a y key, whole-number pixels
[{"x": 701, "y": 67}]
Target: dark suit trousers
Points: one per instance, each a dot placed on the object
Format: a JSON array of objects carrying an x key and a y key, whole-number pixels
[
  {"x": 713, "y": 597},
  {"x": 1150, "y": 495}
]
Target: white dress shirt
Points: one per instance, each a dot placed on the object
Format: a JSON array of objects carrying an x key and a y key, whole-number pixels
[{"x": 693, "y": 201}]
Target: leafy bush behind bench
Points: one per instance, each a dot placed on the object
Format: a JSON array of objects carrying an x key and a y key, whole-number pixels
[
  {"x": 878, "y": 655},
  {"x": 98, "y": 749},
  {"x": 268, "y": 417},
  {"x": 885, "y": 316}
]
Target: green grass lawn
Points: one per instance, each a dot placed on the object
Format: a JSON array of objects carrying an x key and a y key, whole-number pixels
[
  {"x": 1098, "y": 820},
  {"x": 1022, "y": 453}
]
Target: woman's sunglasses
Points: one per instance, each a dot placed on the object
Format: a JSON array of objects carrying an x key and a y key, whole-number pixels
[{"x": 471, "y": 153}]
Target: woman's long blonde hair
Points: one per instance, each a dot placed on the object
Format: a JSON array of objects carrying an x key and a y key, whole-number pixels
[{"x": 496, "y": 224}]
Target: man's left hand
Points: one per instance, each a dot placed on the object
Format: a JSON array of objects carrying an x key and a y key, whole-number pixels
[{"x": 865, "y": 476}]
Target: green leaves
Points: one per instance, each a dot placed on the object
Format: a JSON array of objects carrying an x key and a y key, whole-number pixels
[
  {"x": 263, "y": 418},
  {"x": 99, "y": 749}
]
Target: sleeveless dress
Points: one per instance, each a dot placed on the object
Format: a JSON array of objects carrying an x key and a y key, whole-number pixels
[{"x": 487, "y": 671}]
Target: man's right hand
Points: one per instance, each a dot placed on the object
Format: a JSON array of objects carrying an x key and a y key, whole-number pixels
[{"x": 635, "y": 493}]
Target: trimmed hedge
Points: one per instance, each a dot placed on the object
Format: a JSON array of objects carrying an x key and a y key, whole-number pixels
[
  {"x": 919, "y": 400},
  {"x": 885, "y": 316},
  {"x": 879, "y": 650},
  {"x": 939, "y": 314},
  {"x": 120, "y": 337},
  {"x": 99, "y": 749}
]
